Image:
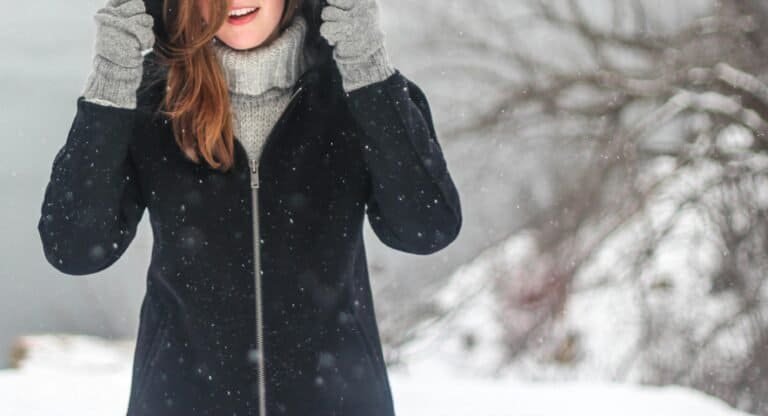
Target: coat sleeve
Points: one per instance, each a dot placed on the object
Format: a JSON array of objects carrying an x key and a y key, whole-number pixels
[
  {"x": 412, "y": 202},
  {"x": 92, "y": 204}
]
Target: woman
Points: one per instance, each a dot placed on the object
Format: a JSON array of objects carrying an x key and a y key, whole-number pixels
[{"x": 236, "y": 122}]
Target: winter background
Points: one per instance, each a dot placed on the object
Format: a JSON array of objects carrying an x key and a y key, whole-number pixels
[{"x": 611, "y": 156}]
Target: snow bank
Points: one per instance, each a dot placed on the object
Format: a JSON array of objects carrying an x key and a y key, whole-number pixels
[{"x": 87, "y": 376}]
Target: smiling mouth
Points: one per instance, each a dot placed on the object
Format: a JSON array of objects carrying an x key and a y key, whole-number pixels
[{"x": 242, "y": 15}]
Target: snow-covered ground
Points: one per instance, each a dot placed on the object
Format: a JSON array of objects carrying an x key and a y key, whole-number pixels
[{"x": 87, "y": 376}]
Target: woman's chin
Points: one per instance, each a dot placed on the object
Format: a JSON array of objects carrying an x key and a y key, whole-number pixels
[{"x": 241, "y": 44}]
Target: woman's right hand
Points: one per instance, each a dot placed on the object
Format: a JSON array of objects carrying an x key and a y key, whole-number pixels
[{"x": 123, "y": 36}]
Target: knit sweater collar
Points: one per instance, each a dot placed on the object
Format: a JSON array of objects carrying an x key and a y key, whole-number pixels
[{"x": 276, "y": 65}]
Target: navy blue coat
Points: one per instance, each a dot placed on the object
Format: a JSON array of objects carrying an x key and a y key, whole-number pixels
[{"x": 216, "y": 338}]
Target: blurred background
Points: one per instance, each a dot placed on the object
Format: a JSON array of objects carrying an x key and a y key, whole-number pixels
[{"x": 612, "y": 160}]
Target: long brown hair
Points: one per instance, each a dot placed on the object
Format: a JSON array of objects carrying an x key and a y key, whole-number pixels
[{"x": 197, "y": 98}]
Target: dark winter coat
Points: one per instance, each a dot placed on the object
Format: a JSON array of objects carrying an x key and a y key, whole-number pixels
[{"x": 331, "y": 159}]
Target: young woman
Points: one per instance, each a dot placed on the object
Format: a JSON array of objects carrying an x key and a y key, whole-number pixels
[{"x": 257, "y": 134}]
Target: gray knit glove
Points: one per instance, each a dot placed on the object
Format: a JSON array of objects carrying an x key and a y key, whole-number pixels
[
  {"x": 352, "y": 28},
  {"x": 123, "y": 36}
]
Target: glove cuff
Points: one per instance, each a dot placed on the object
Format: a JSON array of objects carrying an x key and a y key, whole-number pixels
[
  {"x": 112, "y": 84},
  {"x": 359, "y": 73}
]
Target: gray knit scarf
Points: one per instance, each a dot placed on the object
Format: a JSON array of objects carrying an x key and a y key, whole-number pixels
[{"x": 260, "y": 82}]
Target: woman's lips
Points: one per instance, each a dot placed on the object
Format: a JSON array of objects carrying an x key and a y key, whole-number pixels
[{"x": 242, "y": 19}]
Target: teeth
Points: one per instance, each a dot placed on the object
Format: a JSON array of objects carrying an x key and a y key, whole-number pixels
[{"x": 241, "y": 12}]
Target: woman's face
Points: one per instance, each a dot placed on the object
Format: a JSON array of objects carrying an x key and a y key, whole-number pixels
[{"x": 250, "y": 22}]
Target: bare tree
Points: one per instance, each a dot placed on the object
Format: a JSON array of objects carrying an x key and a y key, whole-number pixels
[{"x": 648, "y": 124}]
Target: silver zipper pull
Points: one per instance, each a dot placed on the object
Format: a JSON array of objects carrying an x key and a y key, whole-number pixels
[
  {"x": 254, "y": 173},
  {"x": 298, "y": 89}
]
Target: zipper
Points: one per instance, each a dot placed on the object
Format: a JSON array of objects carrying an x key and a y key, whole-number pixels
[{"x": 254, "y": 168}]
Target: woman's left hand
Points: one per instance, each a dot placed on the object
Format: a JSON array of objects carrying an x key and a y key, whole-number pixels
[{"x": 352, "y": 27}]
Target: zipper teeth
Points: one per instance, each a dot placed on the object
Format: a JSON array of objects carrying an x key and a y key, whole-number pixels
[
  {"x": 257, "y": 285},
  {"x": 261, "y": 377}
]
